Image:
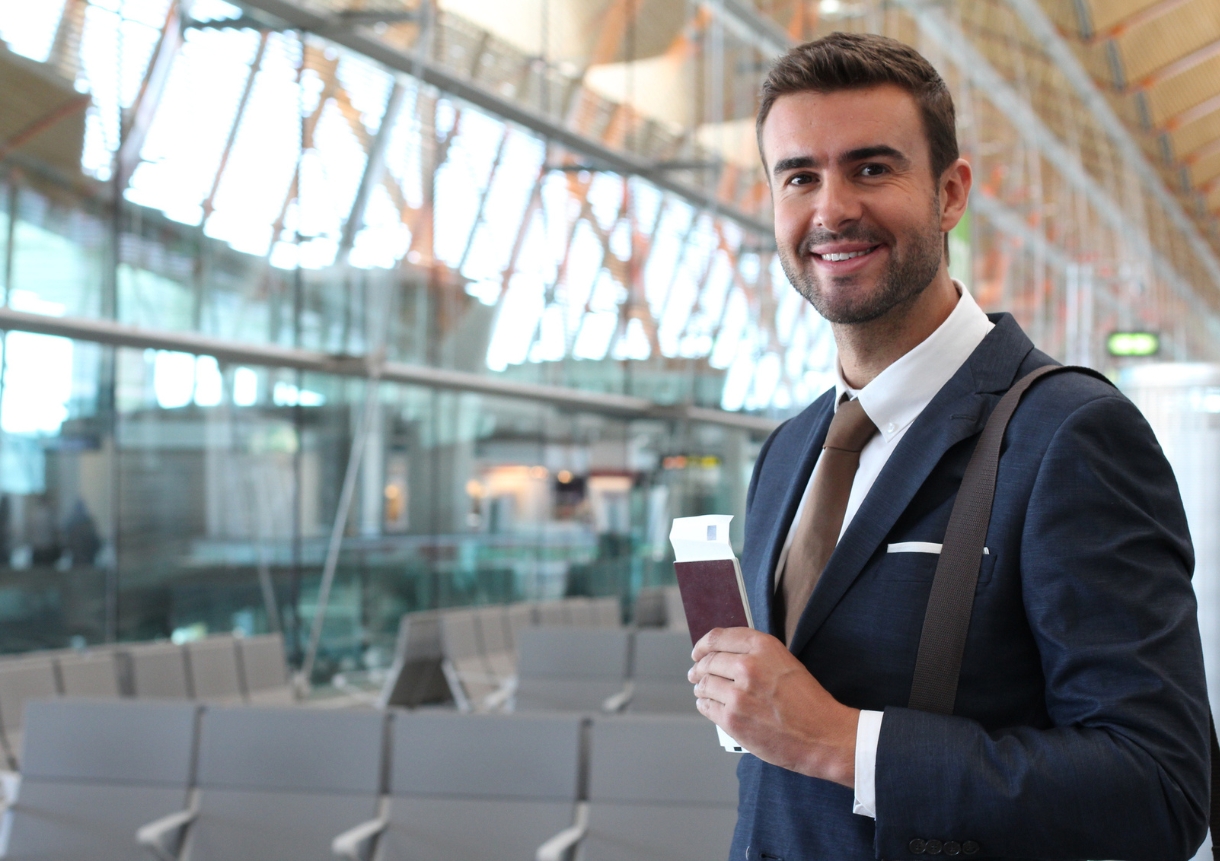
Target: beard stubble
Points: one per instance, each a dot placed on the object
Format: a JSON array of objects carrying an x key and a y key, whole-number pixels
[{"x": 904, "y": 278}]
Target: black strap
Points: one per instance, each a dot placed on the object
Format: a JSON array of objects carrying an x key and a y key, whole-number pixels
[{"x": 951, "y": 602}]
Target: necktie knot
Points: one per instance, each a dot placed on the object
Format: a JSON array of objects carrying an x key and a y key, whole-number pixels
[{"x": 851, "y": 428}]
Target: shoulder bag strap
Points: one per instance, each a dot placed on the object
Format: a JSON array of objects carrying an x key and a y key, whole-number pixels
[
  {"x": 947, "y": 619},
  {"x": 951, "y": 603}
]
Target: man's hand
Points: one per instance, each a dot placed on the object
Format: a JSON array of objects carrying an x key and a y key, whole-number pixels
[{"x": 750, "y": 685}]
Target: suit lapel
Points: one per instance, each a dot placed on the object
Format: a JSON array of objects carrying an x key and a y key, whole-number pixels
[{"x": 959, "y": 411}]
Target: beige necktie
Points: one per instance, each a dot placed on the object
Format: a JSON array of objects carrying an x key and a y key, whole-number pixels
[{"x": 822, "y": 520}]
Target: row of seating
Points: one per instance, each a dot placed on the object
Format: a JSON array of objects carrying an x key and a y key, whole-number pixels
[
  {"x": 469, "y": 655},
  {"x": 568, "y": 669},
  {"x": 222, "y": 668},
  {"x": 211, "y": 783},
  {"x": 660, "y": 607}
]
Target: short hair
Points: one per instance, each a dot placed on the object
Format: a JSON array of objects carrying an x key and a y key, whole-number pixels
[{"x": 852, "y": 61}]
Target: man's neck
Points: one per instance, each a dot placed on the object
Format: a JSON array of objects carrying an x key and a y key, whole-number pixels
[{"x": 867, "y": 349}]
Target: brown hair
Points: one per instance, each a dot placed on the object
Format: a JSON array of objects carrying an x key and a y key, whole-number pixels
[{"x": 850, "y": 61}]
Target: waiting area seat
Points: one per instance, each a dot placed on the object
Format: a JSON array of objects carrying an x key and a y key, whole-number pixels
[
  {"x": 572, "y": 669},
  {"x": 264, "y": 670},
  {"x": 21, "y": 680},
  {"x": 92, "y": 673},
  {"x": 660, "y": 787},
  {"x": 660, "y": 662},
  {"x": 473, "y": 788},
  {"x": 93, "y": 771},
  {"x": 180, "y": 781},
  {"x": 275, "y": 784}
]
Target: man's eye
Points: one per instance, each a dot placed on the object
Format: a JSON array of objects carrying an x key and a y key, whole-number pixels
[
  {"x": 873, "y": 170},
  {"x": 801, "y": 179}
]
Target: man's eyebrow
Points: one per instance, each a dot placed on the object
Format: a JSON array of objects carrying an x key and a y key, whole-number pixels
[
  {"x": 867, "y": 152},
  {"x": 804, "y": 162},
  {"x": 795, "y": 163}
]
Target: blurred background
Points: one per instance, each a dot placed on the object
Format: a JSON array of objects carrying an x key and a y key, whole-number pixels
[{"x": 460, "y": 302}]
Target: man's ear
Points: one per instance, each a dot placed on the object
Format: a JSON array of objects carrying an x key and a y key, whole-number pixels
[{"x": 955, "y": 185}]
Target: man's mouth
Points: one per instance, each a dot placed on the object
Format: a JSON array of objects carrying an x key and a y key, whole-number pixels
[{"x": 837, "y": 256}]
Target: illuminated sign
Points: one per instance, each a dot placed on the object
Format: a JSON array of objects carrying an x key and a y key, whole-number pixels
[{"x": 1133, "y": 344}]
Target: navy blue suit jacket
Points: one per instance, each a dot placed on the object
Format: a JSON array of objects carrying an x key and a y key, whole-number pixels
[{"x": 1080, "y": 729}]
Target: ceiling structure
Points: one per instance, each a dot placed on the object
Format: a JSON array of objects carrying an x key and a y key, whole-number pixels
[
  {"x": 588, "y": 169},
  {"x": 1158, "y": 62}
]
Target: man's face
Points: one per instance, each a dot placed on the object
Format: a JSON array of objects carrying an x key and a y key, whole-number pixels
[{"x": 857, "y": 212}]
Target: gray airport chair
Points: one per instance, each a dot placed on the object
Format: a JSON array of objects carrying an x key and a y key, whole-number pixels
[
  {"x": 94, "y": 771},
  {"x": 607, "y": 612},
  {"x": 264, "y": 670},
  {"x": 92, "y": 673},
  {"x": 23, "y": 679},
  {"x": 580, "y": 613},
  {"x": 551, "y": 613},
  {"x": 675, "y": 615},
  {"x": 276, "y": 784},
  {"x": 650, "y": 607},
  {"x": 416, "y": 677},
  {"x": 215, "y": 675},
  {"x": 493, "y": 633},
  {"x": 158, "y": 671},
  {"x": 470, "y": 678},
  {"x": 660, "y": 662},
  {"x": 660, "y": 786},
  {"x": 572, "y": 669},
  {"x": 474, "y": 788},
  {"x": 518, "y": 617}
]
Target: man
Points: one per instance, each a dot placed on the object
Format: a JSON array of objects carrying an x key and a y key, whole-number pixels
[{"x": 1080, "y": 729}]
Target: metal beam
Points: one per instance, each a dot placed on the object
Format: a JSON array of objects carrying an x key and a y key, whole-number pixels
[
  {"x": 1029, "y": 125},
  {"x": 1041, "y": 28},
  {"x": 133, "y": 135},
  {"x": 460, "y": 87},
  {"x": 747, "y": 24},
  {"x": 374, "y": 167},
  {"x": 271, "y": 355}
]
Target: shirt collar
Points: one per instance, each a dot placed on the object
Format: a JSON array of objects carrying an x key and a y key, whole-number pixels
[{"x": 897, "y": 395}]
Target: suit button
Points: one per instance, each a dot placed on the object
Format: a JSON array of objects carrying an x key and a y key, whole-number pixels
[
  {"x": 952, "y": 847},
  {"x": 970, "y": 847},
  {"x": 933, "y": 847},
  {"x": 916, "y": 846}
]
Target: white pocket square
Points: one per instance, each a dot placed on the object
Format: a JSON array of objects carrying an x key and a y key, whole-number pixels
[{"x": 920, "y": 547}]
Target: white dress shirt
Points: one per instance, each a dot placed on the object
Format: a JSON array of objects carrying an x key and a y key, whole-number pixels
[{"x": 893, "y": 400}]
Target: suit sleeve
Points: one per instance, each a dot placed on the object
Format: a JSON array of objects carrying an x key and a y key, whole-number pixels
[{"x": 1122, "y": 771}]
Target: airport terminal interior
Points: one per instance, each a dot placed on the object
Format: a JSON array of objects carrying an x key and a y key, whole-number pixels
[{"x": 357, "y": 355}]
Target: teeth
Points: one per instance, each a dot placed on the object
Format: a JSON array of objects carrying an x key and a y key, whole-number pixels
[{"x": 848, "y": 256}]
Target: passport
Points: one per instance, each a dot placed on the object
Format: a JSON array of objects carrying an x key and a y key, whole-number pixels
[{"x": 713, "y": 595}]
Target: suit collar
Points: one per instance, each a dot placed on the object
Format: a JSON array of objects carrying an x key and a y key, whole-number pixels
[{"x": 958, "y": 411}]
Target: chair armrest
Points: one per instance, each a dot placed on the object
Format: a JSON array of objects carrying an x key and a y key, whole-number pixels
[
  {"x": 557, "y": 847},
  {"x": 347, "y": 844},
  {"x": 499, "y": 698},
  {"x": 153, "y": 835},
  {"x": 617, "y": 702},
  {"x": 10, "y": 783}
]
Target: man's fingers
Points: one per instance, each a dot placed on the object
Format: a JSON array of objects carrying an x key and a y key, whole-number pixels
[
  {"x": 737, "y": 640},
  {"x": 715, "y": 688}
]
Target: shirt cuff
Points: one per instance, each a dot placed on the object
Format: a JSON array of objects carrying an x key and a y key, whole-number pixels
[{"x": 868, "y": 733}]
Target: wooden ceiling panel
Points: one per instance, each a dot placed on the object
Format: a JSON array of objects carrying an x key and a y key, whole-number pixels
[
  {"x": 1196, "y": 135},
  {"x": 1213, "y": 200},
  {"x": 1178, "y": 94},
  {"x": 1104, "y": 14},
  {"x": 1205, "y": 170},
  {"x": 1159, "y": 41}
]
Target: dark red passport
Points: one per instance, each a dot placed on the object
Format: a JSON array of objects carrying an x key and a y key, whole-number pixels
[{"x": 712, "y": 596}]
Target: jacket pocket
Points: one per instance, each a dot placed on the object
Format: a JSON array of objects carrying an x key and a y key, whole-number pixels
[{"x": 916, "y": 561}]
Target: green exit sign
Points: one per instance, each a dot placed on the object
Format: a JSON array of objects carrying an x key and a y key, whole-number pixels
[{"x": 1133, "y": 344}]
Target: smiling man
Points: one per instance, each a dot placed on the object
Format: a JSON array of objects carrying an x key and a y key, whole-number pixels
[{"x": 1081, "y": 719}]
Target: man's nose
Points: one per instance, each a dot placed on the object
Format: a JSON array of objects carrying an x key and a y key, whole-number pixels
[{"x": 838, "y": 203}]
